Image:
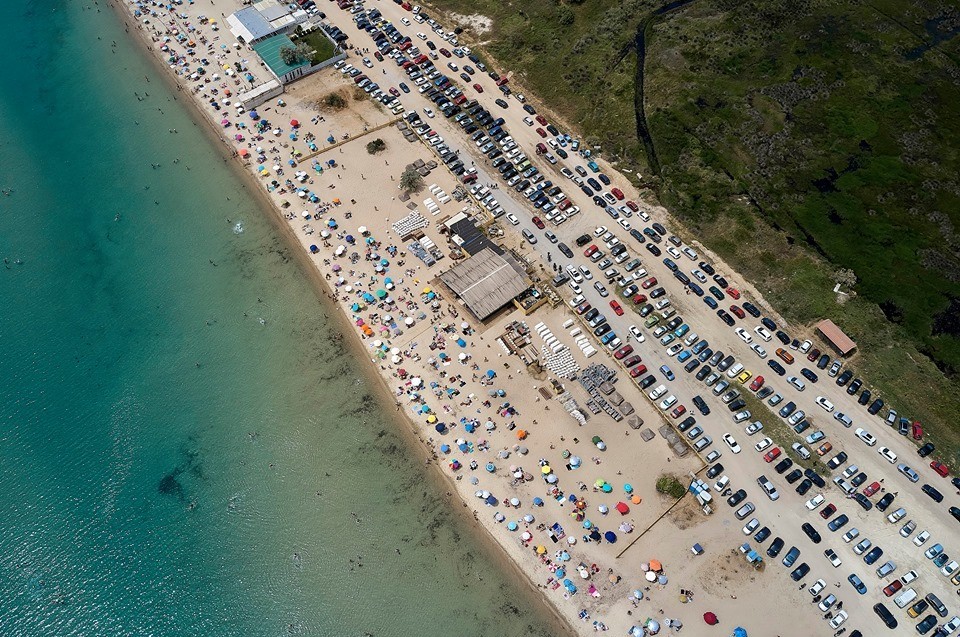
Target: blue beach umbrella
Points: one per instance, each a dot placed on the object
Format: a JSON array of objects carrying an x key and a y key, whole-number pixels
[
  {"x": 491, "y": 373},
  {"x": 440, "y": 427},
  {"x": 538, "y": 502},
  {"x": 512, "y": 526},
  {"x": 610, "y": 536},
  {"x": 461, "y": 342},
  {"x": 628, "y": 488},
  {"x": 314, "y": 249},
  {"x": 445, "y": 448},
  {"x": 561, "y": 572},
  {"x": 491, "y": 467}
]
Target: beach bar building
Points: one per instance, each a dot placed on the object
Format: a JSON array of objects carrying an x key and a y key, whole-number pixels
[
  {"x": 486, "y": 282},
  {"x": 265, "y": 19},
  {"x": 269, "y": 52},
  {"x": 837, "y": 339}
]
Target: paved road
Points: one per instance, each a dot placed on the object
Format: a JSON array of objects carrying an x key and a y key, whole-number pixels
[{"x": 786, "y": 515}]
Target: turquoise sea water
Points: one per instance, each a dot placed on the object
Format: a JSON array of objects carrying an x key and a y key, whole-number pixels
[{"x": 185, "y": 446}]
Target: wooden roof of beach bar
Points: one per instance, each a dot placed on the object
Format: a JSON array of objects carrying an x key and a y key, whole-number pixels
[
  {"x": 486, "y": 282},
  {"x": 836, "y": 337}
]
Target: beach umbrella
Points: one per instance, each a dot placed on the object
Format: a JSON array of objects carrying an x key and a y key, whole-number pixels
[
  {"x": 595, "y": 535},
  {"x": 622, "y": 508},
  {"x": 244, "y": 152},
  {"x": 571, "y": 540},
  {"x": 606, "y": 488},
  {"x": 739, "y": 632},
  {"x": 552, "y": 478},
  {"x": 491, "y": 373},
  {"x": 528, "y": 518},
  {"x": 294, "y": 123},
  {"x": 362, "y": 230},
  {"x": 522, "y": 450},
  {"x": 710, "y": 618},
  {"x": 499, "y": 517},
  {"x": 512, "y": 526},
  {"x": 526, "y": 536},
  {"x": 653, "y": 626},
  {"x": 662, "y": 579},
  {"x": 628, "y": 488},
  {"x": 650, "y": 576},
  {"x": 603, "y": 509},
  {"x": 515, "y": 502},
  {"x": 491, "y": 467},
  {"x": 538, "y": 502},
  {"x": 610, "y": 536},
  {"x": 381, "y": 293},
  {"x": 314, "y": 249},
  {"x": 445, "y": 448},
  {"x": 655, "y": 565},
  {"x": 474, "y": 480},
  {"x": 336, "y": 267},
  {"x": 575, "y": 461},
  {"x": 636, "y": 499}
]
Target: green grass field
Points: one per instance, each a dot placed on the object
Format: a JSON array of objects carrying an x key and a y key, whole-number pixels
[{"x": 794, "y": 138}]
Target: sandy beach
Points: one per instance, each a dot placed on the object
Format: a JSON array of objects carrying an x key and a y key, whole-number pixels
[{"x": 574, "y": 506}]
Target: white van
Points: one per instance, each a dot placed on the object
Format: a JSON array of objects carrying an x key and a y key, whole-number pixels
[{"x": 904, "y": 598}]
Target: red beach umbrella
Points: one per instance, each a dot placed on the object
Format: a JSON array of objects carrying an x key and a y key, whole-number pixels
[
  {"x": 294, "y": 123},
  {"x": 710, "y": 618}
]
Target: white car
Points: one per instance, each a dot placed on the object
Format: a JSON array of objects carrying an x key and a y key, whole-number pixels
[
  {"x": 674, "y": 349},
  {"x": 909, "y": 576},
  {"x": 838, "y": 618},
  {"x": 428, "y": 112},
  {"x": 825, "y": 404},
  {"x": 404, "y": 22},
  {"x": 797, "y": 383},
  {"x": 732, "y": 443},
  {"x": 721, "y": 484},
  {"x": 421, "y": 36},
  {"x": 762, "y": 353},
  {"x": 637, "y": 334},
  {"x": 805, "y": 347},
  {"x": 624, "y": 223},
  {"x": 950, "y": 569},
  {"x": 512, "y": 218},
  {"x": 763, "y": 444},
  {"x": 699, "y": 276},
  {"x": 587, "y": 274},
  {"x": 575, "y": 287},
  {"x": 817, "y": 587},
  {"x": 367, "y": 63},
  {"x": 921, "y": 538},
  {"x": 865, "y": 436},
  {"x": 659, "y": 391},
  {"x": 762, "y": 333},
  {"x": 753, "y": 427},
  {"x": 668, "y": 402},
  {"x": 744, "y": 335},
  {"x": 528, "y": 121},
  {"x": 815, "y": 501},
  {"x": 599, "y": 231},
  {"x": 752, "y": 526},
  {"x": 673, "y": 252},
  {"x": 888, "y": 454}
]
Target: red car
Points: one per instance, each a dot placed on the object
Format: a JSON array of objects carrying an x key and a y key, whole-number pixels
[
  {"x": 756, "y": 384},
  {"x": 538, "y": 223},
  {"x": 584, "y": 307},
  {"x": 503, "y": 80},
  {"x": 378, "y": 55},
  {"x": 563, "y": 205},
  {"x": 892, "y": 589},
  {"x": 630, "y": 361},
  {"x": 649, "y": 283},
  {"x": 872, "y": 488},
  {"x": 592, "y": 250},
  {"x": 637, "y": 371},
  {"x": 678, "y": 411},
  {"x": 478, "y": 88},
  {"x": 942, "y": 469},
  {"x": 736, "y": 310},
  {"x": 616, "y": 308},
  {"x": 541, "y": 132},
  {"x": 617, "y": 193},
  {"x": 542, "y": 119},
  {"x": 772, "y": 455},
  {"x": 626, "y": 350},
  {"x": 917, "y": 430},
  {"x": 639, "y": 298},
  {"x": 827, "y": 511},
  {"x": 813, "y": 355},
  {"x": 445, "y": 53},
  {"x": 632, "y": 206},
  {"x": 394, "y": 92},
  {"x": 733, "y": 292}
]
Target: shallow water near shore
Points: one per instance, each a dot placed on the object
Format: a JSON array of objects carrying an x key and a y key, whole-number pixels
[{"x": 187, "y": 447}]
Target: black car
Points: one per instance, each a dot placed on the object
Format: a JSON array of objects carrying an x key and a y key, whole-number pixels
[
  {"x": 823, "y": 362},
  {"x": 654, "y": 250},
  {"x": 864, "y": 397},
  {"x": 844, "y": 378},
  {"x": 811, "y": 532},
  {"x": 565, "y": 250},
  {"x": 530, "y": 109},
  {"x": 701, "y": 404},
  {"x": 660, "y": 229},
  {"x": 582, "y": 240},
  {"x": 873, "y": 555},
  {"x": 782, "y": 337},
  {"x": 763, "y": 534},
  {"x": 885, "y": 616},
  {"x": 793, "y": 476},
  {"x": 809, "y": 375},
  {"x": 704, "y": 372},
  {"x": 955, "y": 512},
  {"x": 715, "y": 470},
  {"x": 692, "y": 365},
  {"x": 737, "y": 498},
  {"x": 838, "y": 522},
  {"x": 854, "y": 387},
  {"x": 775, "y": 547},
  {"x": 777, "y": 367},
  {"x": 706, "y": 267},
  {"x": 884, "y": 503},
  {"x": 737, "y": 405},
  {"x": 769, "y": 323},
  {"x": 927, "y": 624},
  {"x": 783, "y": 465},
  {"x": 837, "y": 460},
  {"x": 858, "y": 479},
  {"x": 726, "y": 318},
  {"x": 804, "y": 486},
  {"x": 925, "y": 450},
  {"x": 935, "y": 495},
  {"x": 604, "y": 179},
  {"x": 688, "y": 422},
  {"x": 800, "y": 572},
  {"x": 863, "y": 501},
  {"x": 603, "y": 329},
  {"x": 815, "y": 478},
  {"x": 719, "y": 280},
  {"x": 875, "y": 407},
  {"x": 750, "y": 309}
]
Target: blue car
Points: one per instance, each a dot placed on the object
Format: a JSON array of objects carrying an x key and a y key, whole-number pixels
[
  {"x": 666, "y": 372},
  {"x": 699, "y": 347},
  {"x": 711, "y": 302},
  {"x": 857, "y": 584},
  {"x": 791, "y": 556},
  {"x": 683, "y": 356},
  {"x": 609, "y": 336}
]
